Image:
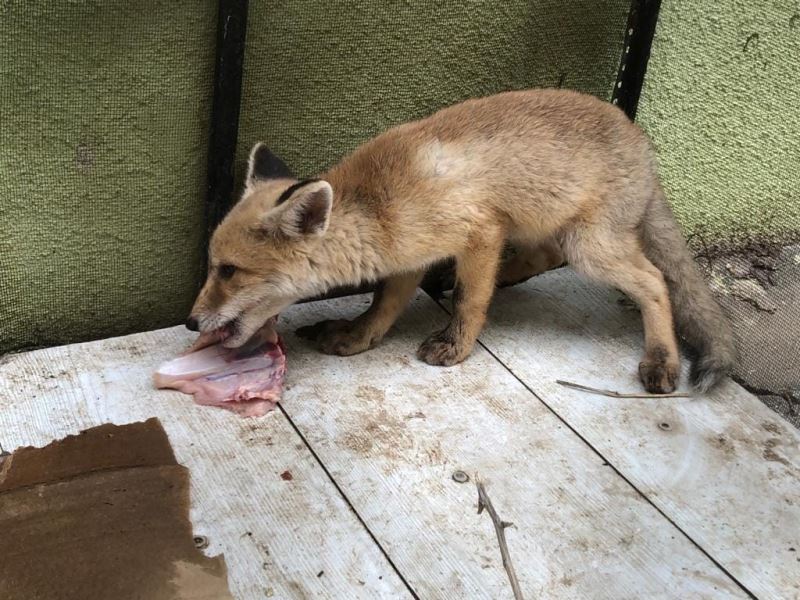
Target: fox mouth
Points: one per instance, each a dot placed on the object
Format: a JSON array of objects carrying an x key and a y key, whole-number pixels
[
  {"x": 216, "y": 336},
  {"x": 233, "y": 329},
  {"x": 230, "y": 329}
]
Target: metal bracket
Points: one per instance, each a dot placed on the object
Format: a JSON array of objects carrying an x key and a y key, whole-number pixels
[{"x": 639, "y": 33}]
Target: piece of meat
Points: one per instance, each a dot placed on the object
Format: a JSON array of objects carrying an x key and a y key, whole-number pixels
[{"x": 247, "y": 380}]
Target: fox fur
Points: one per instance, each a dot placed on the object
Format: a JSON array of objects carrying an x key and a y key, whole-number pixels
[{"x": 559, "y": 175}]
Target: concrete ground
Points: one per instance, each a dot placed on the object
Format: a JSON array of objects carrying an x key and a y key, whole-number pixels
[{"x": 760, "y": 290}]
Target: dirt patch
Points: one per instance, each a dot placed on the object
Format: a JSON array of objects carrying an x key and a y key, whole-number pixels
[
  {"x": 772, "y": 428},
  {"x": 770, "y": 454},
  {"x": 255, "y": 435},
  {"x": 753, "y": 251},
  {"x": 370, "y": 393},
  {"x": 380, "y": 433},
  {"x": 724, "y": 444}
]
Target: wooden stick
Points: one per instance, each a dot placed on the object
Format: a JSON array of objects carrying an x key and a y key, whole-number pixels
[
  {"x": 614, "y": 394},
  {"x": 500, "y": 530}
]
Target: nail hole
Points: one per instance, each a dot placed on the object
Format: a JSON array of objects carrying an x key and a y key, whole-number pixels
[
  {"x": 665, "y": 426},
  {"x": 200, "y": 542},
  {"x": 460, "y": 477}
]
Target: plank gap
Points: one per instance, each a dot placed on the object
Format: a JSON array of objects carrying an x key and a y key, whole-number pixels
[
  {"x": 348, "y": 502},
  {"x": 601, "y": 456}
]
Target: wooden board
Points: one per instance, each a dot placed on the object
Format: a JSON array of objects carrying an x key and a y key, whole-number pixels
[
  {"x": 282, "y": 539},
  {"x": 724, "y": 468},
  {"x": 392, "y": 431}
]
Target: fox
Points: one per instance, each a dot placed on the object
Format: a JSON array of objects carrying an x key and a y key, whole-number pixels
[{"x": 560, "y": 176}]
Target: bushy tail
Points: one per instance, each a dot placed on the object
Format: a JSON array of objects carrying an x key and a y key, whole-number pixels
[{"x": 699, "y": 320}]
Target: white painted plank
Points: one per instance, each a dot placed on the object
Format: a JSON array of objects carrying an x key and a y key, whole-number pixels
[
  {"x": 728, "y": 469},
  {"x": 392, "y": 430},
  {"x": 276, "y": 535}
]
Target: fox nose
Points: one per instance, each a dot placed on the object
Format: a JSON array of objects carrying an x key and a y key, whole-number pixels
[{"x": 192, "y": 324}]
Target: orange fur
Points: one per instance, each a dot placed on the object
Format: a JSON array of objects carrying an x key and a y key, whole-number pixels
[{"x": 557, "y": 174}]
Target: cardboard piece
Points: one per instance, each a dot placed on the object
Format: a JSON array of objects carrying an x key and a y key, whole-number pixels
[{"x": 103, "y": 514}]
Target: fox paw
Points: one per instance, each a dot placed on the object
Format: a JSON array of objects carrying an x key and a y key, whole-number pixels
[
  {"x": 658, "y": 377},
  {"x": 440, "y": 349},
  {"x": 339, "y": 337}
]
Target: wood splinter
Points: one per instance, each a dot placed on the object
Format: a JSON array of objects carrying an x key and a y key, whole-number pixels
[
  {"x": 614, "y": 394},
  {"x": 500, "y": 530}
]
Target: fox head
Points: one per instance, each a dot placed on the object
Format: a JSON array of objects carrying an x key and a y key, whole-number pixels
[{"x": 260, "y": 255}]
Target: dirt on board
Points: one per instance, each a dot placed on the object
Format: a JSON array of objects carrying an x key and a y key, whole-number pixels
[{"x": 102, "y": 514}]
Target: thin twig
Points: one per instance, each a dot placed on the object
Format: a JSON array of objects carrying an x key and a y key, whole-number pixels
[
  {"x": 500, "y": 530},
  {"x": 614, "y": 394}
]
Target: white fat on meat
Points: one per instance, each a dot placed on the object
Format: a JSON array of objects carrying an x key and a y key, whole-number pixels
[{"x": 247, "y": 380}]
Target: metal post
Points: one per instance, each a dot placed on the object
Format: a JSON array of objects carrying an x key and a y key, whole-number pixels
[
  {"x": 639, "y": 33},
  {"x": 224, "y": 127}
]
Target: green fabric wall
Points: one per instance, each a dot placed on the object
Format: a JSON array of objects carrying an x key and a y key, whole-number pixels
[
  {"x": 722, "y": 103},
  {"x": 104, "y": 110},
  {"x": 321, "y": 77}
]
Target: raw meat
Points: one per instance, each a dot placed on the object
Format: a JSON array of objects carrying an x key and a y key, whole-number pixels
[{"x": 247, "y": 380}]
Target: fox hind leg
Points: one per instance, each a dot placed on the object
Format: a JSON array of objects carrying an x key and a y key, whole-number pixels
[{"x": 619, "y": 261}]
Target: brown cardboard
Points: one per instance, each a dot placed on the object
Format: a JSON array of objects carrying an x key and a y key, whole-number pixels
[{"x": 104, "y": 514}]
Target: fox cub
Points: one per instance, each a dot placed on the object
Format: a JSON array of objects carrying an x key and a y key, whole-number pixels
[{"x": 557, "y": 174}]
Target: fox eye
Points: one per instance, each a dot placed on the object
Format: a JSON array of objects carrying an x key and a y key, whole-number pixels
[{"x": 226, "y": 271}]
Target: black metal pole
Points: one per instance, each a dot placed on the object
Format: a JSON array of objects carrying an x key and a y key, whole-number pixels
[
  {"x": 224, "y": 127},
  {"x": 639, "y": 32}
]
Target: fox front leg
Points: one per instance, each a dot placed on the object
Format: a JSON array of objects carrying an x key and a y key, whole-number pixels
[
  {"x": 476, "y": 270},
  {"x": 345, "y": 338}
]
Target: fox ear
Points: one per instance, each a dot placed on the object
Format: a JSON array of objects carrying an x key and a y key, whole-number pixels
[
  {"x": 263, "y": 165},
  {"x": 305, "y": 209}
]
